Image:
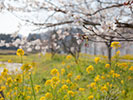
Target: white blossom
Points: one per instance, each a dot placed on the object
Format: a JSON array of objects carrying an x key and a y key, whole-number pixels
[
  {"x": 59, "y": 32},
  {"x": 54, "y": 44},
  {"x": 72, "y": 49},
  {"x": 37, "y": 47},
  {"x": 53, "y": 36},
  {"x": 29, "y": 49},
  {"x": 66, "y": 33},
  {"x": 14, "y": 35},
  {"x": 7, "y": 45},
  {"x": 79, "y": 41}
]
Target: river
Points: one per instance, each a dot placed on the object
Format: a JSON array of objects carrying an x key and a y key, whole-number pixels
[{"x": 10, "y": 66}]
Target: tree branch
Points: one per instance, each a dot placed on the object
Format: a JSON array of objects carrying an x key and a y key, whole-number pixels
[
  {"x": 124, "y": 25},
  {"x": 99, "y": 10}
]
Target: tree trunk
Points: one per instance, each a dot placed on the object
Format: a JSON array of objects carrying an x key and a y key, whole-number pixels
[
  {"x": 109, "y": 51},
  {"x": 109, "y": 54},
  {"x": 103, "y": 52},
  {"x": 95, "y": 49}
]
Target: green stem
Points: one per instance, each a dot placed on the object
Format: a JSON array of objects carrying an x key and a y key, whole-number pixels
[
  {"x": 23, "y": 78},
  {"x": 21, "y": 60},
  {"x": 32, "y": 87},
  {"x": 23, "y": 86}
]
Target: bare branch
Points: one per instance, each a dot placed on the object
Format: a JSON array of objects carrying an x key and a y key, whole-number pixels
[
  {"x": 99, "y": 10},
  {"x": 124, "y": 25}
]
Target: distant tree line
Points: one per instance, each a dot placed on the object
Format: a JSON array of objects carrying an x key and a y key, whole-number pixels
[{"x": 7, "y": 38}]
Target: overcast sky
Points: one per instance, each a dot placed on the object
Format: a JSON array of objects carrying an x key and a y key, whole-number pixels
[{"x": 9, "y": 24}]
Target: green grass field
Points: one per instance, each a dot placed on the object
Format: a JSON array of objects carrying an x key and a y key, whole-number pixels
[{"x": 68, "y": 80}]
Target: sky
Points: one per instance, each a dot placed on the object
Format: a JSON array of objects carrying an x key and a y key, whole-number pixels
[{"x": 9, "y": 24}]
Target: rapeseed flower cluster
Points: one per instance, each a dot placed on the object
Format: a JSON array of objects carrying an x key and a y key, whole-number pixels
[
  {"x": 115, "y": 45},
  {"x": 68, "y": 81},
  {"x": 89, "y": 68},
  {"x": 97, "y": 59},
  {"x": 20, "y": 52}
]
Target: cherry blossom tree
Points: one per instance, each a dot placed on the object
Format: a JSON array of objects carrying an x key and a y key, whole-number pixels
[{"x": 102, "y": 20}]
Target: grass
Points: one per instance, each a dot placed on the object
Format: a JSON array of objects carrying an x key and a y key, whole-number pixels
[
  {"x": 7, "y": 52},
  {"x": 44, "y": 65},
  {"x": 127, "y": 57}
]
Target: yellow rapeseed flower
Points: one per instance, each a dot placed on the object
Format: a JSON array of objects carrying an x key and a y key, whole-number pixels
[
  {"x": 62, "y": 71},
  {"x": 129, "y": 77},
  {"x": 123, "y": 91},
  {"x": 18, "y": 78},
  {"x": 2, "y": 88},
  {"x": 68, "y": 66},
  {"x": 48, "y": 82},
  {"x": 104, "y": 88},
  {"x": 103, "y": 77},
  {"x": 1, "y": 98},
  {"x": 107, "y": 65},
  {"x": 26, "y": 67},
  {"x": 65, "y": 97},
  {"x": 77, "y": 77},
  {"x": 111, "y": 72},
  {"x": 69, "y": 75},
  {"x": 37, "y": 87},
  {"x": 90, "y": 97},
  {"x": 5, "y": 72},
  {"x": 81, "y": 89},
  {"x": 116, "y": 75},
  {"x": 118, "y": 52},
  {"x": 48, "y": 95},
  {"x": 92, "y": 85},
  {"x": 64, "y": 87},
  {"x": 63, "y": 63},
  {"x": 27, "y": 97},
  {"x": 54, "y": 71},
  {"x": 68, "y": 81},
  {"x": 9, "y": 61},
  {"x": 71, "y": 93},
  {"x": 42, "y": 98},
  {"x": 122, "y": 81},
  {"x": 115, "y": 44},
  {"x": 96, "y": 59},
  {"x": 97, "y": 78},
  {"x": 131, "y": 68},
  {"x": 20, "y": 52},
  {"x": 9, "y": 80},
  {"x": 89, "y": 68},
  {"x": 68, "y": 57},
  {"x": 55, "y": 79},
  {"x": 107, "y": 83}
]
